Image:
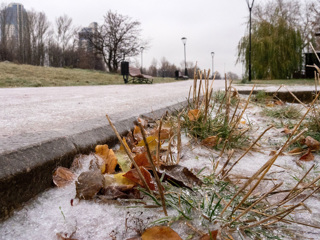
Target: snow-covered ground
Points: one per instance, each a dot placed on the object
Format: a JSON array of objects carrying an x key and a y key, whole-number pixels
[{"x": 52, "y": 213}]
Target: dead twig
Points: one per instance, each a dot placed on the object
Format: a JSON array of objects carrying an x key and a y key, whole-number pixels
[
  {"x": 154, "y": 169},
  {"x": 129, "y": 155}
]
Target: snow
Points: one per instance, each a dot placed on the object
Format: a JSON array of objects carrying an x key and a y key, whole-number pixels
[{"x": 51, "y": 213}]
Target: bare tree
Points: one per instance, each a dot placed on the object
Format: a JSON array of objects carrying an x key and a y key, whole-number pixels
[
  {"x": 39, "y": 31},
  {"x": 63, "y": 45},
  {"x": 232, "y": 76},
  {"x": 117, "y": 36},
  {"x": 153, "y": 68},
  {"x": 5, "y": 54}
]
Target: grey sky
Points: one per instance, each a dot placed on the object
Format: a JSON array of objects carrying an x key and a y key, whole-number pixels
[{"x": 208, "y": 25}]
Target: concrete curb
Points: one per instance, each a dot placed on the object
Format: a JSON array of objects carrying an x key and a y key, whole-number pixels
[{"x": 26, "y": 172}]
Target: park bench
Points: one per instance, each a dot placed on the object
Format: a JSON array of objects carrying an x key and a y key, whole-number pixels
[
  {"x": 179, "y": 75},
  {"x": 138, "y": 77}
]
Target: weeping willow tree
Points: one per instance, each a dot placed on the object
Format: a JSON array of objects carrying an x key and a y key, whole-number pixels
[{"x": 277, "y": 46}]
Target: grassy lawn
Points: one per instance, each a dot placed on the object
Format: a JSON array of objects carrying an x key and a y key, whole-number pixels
[
  {"x": 16, "y": 75},
  {"x": 306, "y": 82}
]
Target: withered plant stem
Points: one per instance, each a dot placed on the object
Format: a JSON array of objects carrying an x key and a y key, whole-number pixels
[
  {"x": 189, "y": 96},
  {"x": 293, "y": 209},
  {"x": 295, "y": 97},
  {"x": 199, "y": 93},
  {"x": 199, "y": 232},
  {"x": 223, "y": 148},
  {"x": 275, "y": 93},
  {"x": 129, "y": 155},
  {"x": 226, "y": 121},
  {"x": 244, "y": 109},
  {"x": 179, "y": 139},
  {"x": 207, "y": 97},
  {"x": 295, "y": 194},
  {"x": 314, "y": 51},
  {"x": 169, "y": 149},
  {"x": 214, "y": 77},
  {"x": 296, "y": 186},
  {"x": 245, "y": 153},
  {"x": 226, "y": 163},
  {"x": 268, "y": 164},
  {"x": 158, "y": 145},
  {"x": 235, "y": 112},
  {"x": 296, "y": 138},
  {"x": 154, "y": 170},
  {"x": 271, "y": 217},
  {"x": 297, "y": 205},
  {"x": 256, "y": 202},
  {"x": 283, "y": 220},
  {"x": 194, "y": 89}
]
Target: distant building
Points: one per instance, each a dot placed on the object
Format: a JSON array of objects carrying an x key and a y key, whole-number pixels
[
  {"x": 85, "y": 34},
  {"x": 16, "y": 21},
  {"x": 89, "y": 57}
]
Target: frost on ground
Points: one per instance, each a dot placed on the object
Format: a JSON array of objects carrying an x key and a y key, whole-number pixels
[{"x": 56, "y": 213}]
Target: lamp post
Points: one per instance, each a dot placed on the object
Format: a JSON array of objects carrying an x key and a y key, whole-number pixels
[
  {"x": 141, "y": 49},
  {"x": 250, "y": 6},
  {"x": 184, "y": 41},
  {"x": 212, "y": 54}
]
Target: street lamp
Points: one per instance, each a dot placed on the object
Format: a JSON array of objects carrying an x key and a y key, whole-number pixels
[
  {"x": 184, "y": 41},
  {"x": 212, "y": 54},
  {"x": 250, "y": 6},
  {"x": 141, "y": 49}
]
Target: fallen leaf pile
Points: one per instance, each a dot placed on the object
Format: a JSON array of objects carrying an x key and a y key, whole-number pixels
[{"x": 112, "y": 175}]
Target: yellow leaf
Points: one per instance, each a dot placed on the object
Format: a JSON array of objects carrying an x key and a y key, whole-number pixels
[
  {"x": 270, "y": 104},
  {"x": 194, "y": 114},
  {"x": 123, "y": 161},
  {"x": 109, "y": 158},
  {"x": 152, "y": 142},
  {"x": 160, "y": 233},
  {"x": 126, "y": 144},
  {"x": 121, "y": 180}
]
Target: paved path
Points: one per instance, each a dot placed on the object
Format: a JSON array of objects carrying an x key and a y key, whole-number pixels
[{"x": 32, "y": 115}]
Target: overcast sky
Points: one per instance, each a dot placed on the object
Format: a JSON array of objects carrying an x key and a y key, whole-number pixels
[{"x": 209, "y": 26}]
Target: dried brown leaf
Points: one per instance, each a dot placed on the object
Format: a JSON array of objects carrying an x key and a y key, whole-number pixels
[
  {"x": 211, "y": 141},
  {"x": 286, "y": 131},
  {"x": 142, "y": 160},
  {"x": 63, "y": 176},
  {"x": 279, "y": 103},
  {"x": 134, "y": 176},
  {"x": 307, "y": 157},
  {"x": 296, "y": 150},
  {"x": 89, "y": 184},
  {"x": 180, "y": 176},
  {"x": 137, "y": 134},
  {"x": 160, "y": 233},
  {"x": 312, "y": 143},
  {"x": 120, "y": 191},
  {"x": 273, "y": 152},
  {"x": 194, "y": 114}
]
